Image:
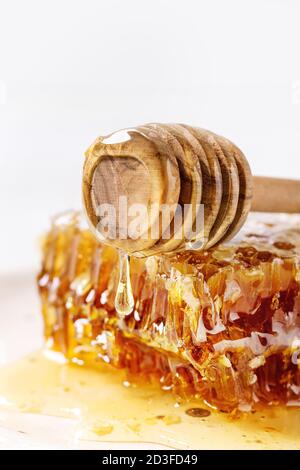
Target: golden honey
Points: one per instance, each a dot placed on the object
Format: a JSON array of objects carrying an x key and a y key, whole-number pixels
[
  {"x": 100, "y": 407},
  {"x": 222, "y": 325}
]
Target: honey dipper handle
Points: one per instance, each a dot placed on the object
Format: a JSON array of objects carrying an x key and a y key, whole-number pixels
[{"x": 275, "y": 195}]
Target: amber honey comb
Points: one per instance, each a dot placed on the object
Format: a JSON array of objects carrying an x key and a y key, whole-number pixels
[{"x": 221, "y": 324}]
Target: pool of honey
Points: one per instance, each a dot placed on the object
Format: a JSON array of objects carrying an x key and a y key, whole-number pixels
[{"x": 105, "y": 407}]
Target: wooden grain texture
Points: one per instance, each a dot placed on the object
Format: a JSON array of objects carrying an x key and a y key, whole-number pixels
[
  {"x": 142, "y": 149},
  {"x": 275, "y": 195},
  {"x": 211, "y": 178},
  {"x": 169, "y": 164},
  {"x": 191, "y": 177},
  {"x": 245, "y": 186}
]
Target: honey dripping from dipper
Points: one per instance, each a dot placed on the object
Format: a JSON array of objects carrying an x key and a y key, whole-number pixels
[{"x": 124, "y": 301}]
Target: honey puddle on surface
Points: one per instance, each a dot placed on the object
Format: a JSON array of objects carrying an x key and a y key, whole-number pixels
[{"x": 106, "y": 408}]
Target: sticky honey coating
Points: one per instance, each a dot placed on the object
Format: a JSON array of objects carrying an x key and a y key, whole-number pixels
[{"x": 221, "y": 324}]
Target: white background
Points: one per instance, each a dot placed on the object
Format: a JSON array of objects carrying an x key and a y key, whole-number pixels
[{"x": 70, "y": 70}]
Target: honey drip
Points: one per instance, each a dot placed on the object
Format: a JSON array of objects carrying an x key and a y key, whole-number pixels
[{"x": 124, "y": 300}]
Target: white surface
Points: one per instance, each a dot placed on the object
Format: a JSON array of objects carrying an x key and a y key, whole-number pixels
[
  {"x": 70, "y": 70},
  {"x": 20, "y": 318}
]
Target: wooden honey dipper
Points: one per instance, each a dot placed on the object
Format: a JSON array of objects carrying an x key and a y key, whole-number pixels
[
  {"x": 174, "y": 165},
  {"x": 169, "y": 164}
]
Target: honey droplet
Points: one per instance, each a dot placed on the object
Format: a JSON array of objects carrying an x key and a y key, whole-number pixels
[
  {"x": 198, "y": 412},
  {"x": 124, "y": 301},
  {"x": 171, "y": 419},
  {"x": 103, "y": 430}
]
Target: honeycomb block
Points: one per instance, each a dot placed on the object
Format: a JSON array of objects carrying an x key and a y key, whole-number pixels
[{"x": 221, "y": 324}]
